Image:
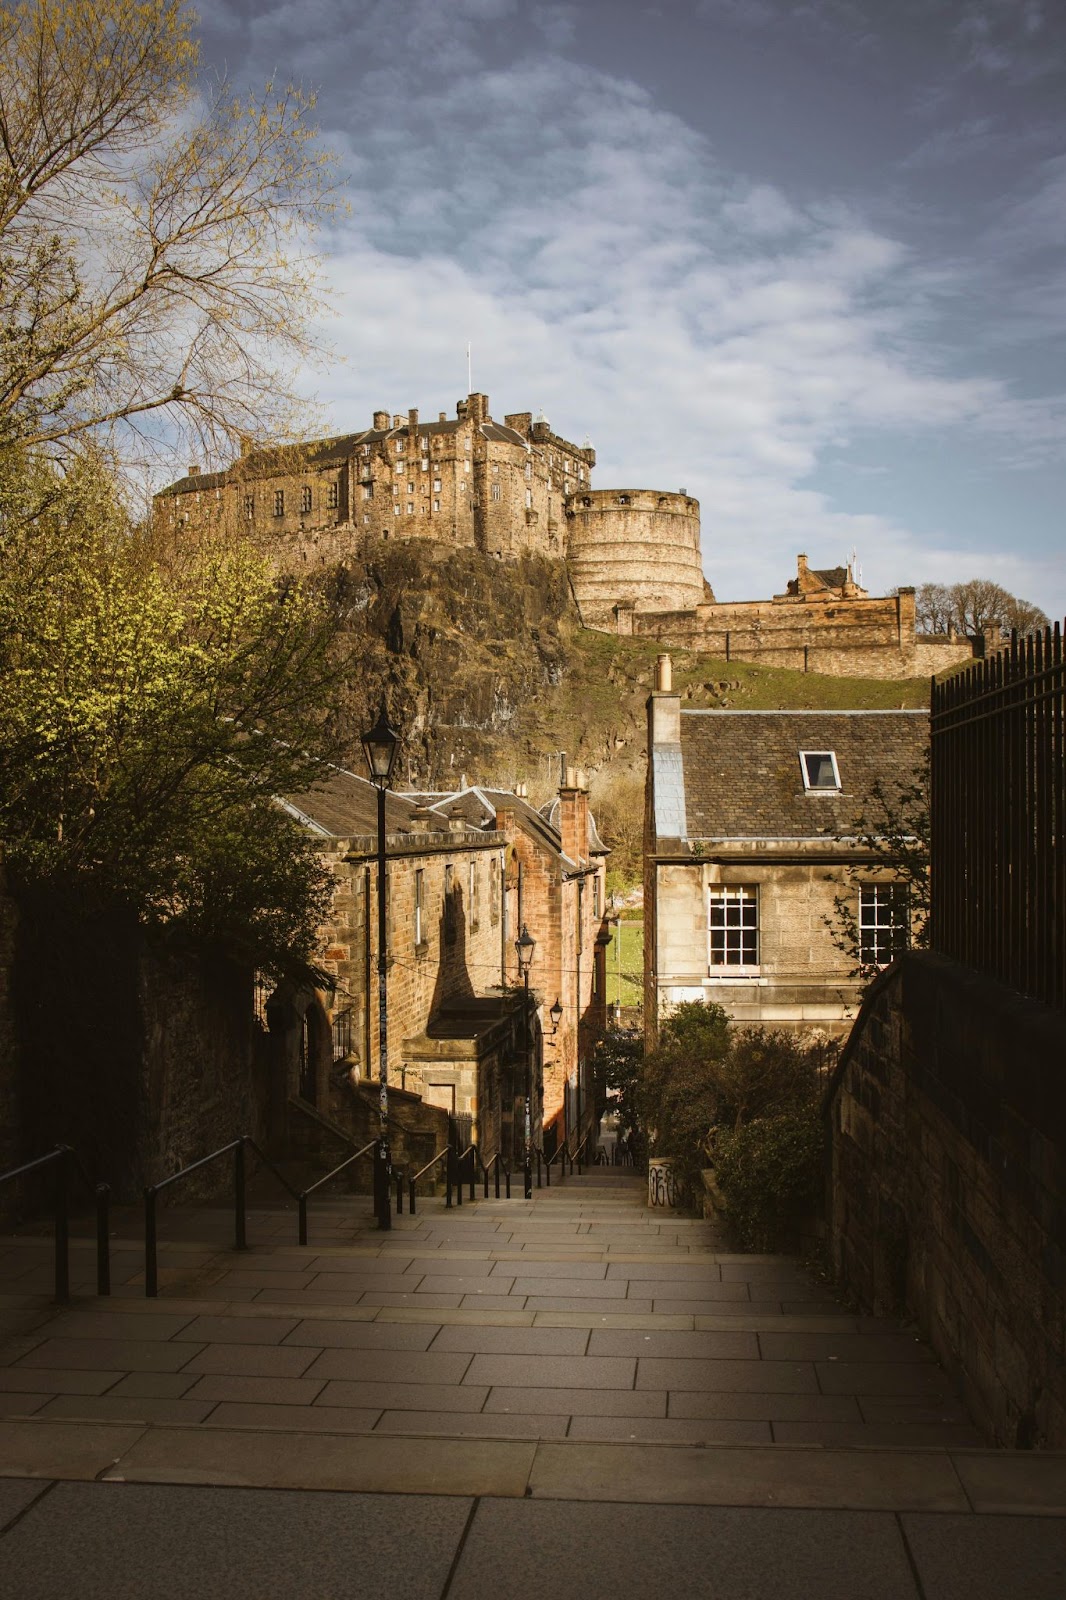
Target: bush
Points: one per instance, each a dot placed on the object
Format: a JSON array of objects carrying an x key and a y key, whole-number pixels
[{"x": 770, "y": 1171}]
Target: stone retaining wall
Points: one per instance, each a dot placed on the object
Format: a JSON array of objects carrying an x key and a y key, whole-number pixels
[{"x": 948, "y": 1184}]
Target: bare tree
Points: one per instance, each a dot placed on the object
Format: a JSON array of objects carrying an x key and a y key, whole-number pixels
[
  {"x": 153, "y": 232},
  {"x": 972, "y": 608}
]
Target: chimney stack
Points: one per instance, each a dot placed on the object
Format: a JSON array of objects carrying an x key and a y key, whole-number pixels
[
  {"x": 574, "y": 816},
  {"x": 381, "y": 421}
]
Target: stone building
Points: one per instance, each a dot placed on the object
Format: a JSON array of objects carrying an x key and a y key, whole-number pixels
[
  {"x": 751, "y": 832},
  {"x": 516, "y": 488},
  {"x": 555, "y": 885},
  {"x": 456, "y": 1033}
]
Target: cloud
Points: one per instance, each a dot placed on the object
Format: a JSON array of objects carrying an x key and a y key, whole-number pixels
[{"x": 707, "y": 328}]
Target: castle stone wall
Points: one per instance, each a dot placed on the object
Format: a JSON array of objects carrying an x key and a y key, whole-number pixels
[
  {"x": 633, "y": 547},
  {"x": 871, "y": 637}
]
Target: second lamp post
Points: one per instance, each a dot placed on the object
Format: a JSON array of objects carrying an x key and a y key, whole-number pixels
[
  {"x": 379, "y": 746},
  {"x": 525, "y": 946}
]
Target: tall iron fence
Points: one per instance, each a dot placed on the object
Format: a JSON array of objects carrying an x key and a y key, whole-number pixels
[{"x": 998, "y": 847}]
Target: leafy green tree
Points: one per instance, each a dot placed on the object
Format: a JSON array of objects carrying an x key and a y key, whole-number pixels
[{"x": 153, "y": 710}]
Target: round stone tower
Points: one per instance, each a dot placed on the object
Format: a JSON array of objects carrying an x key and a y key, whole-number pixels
[{"x": 632, "y": 548}]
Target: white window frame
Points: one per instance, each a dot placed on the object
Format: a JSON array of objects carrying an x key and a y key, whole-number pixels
[
  {"x": 741, "y": 895},
  {"x": 819, "y": 788},
  {"x": 891, "y": 897}
]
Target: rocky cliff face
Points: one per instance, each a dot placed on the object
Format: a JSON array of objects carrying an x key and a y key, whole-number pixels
[{"x": 487, "y": 671}]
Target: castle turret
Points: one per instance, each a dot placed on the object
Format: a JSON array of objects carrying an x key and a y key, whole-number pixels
[{"x": 634, "y": 548}]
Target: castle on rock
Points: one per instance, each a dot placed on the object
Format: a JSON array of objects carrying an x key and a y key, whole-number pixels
[{"x": 516, "y": 488}]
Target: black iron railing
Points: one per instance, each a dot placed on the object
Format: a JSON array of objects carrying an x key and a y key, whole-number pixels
[
  {"x": 66, "y": 1165},
  {"x": 444, "y": 1155},
  {"x": 998, "y": 836},
  {"x": 494, "y": 1167},
  {"x": 304, "y": 1195}
]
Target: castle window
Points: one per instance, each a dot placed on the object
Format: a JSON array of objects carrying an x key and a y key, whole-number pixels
[
  {"x": 586, "y": 501},
  {"x": 884, "y": 922},
  {"x": 529, "y": 469},
  {"x": 368, "y": 491},
  {"x": 462, "y": 485},
  {"x": 495, "y": 466},
  {"x": 366, "y": 521},
  {"x": 396, "y": 509},
  {"x": 466, "y": 446},
  {"x": 529, "y": 499},
  {"x": 436, "y": 505},
  {"x": 333, "y": 497},
  {"x": 820, "y": 772},
  {"x": 466, "y": 466},
  {"x": 623, "y": 499},
  {"x": 305, "y": 499},
  {"x": 450, "y": 919},
  {"x": 249, "y": 505},
  {"x": 420, "y": 905},
  {"x": 399, "y": 447},
  {"x": 410, "y": 488},
  {"x": 436, "y": 485},
  {"x": 495, "y": 491},
  {"x": 425, "y": 463},
  {"x": 410, "y": 507},
  {"x": 399, "y": 466},
  {"x": 732, "y": 925},
  {"x": 423, "y": 445},
  {"x": 279, "y": 502}
]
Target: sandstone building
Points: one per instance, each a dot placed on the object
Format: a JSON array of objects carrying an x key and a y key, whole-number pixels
[
  {"x": 465, "y": 872},
  {"x": 751, "y": 833}
]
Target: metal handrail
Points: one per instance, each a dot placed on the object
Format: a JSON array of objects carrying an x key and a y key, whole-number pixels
[
  {"x": 564, "y": 1151},
  {"x": 301, "y": 1199},
  {"x": 440, "y": 1155},
  {"x": 66, "y": 1161},
  {"x": 496, "y": 1162},
  {"x": 577, "y": 1154},
  {"x": 471, "y": 1150},
  {"x": 151, "y": 1250}
]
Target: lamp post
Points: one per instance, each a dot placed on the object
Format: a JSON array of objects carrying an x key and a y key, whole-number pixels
[
  {"x": 379, "y": 746},
  {"x": 525, "y": 946}
]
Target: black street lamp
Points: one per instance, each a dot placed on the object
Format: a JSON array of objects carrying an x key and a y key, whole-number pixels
[
  {"x": 525, "y": 946},
  {"x": 379, "y": 746}
]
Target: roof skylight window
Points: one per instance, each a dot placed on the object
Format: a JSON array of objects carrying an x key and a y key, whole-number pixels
[{"x": 820, "y": 772}]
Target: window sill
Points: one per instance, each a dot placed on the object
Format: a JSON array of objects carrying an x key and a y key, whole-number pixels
[{"x": 735, "y": 975}]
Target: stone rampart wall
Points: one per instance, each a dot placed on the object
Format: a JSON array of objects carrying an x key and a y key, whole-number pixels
[
  {"x": 861, "y": 638},
  {"x": 948, "y": 1186}
]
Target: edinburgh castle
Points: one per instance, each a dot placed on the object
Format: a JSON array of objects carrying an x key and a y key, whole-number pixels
[{"x": 516, "y": 488}]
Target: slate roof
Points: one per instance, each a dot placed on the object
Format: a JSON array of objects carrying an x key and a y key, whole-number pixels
[
  {"x": 345, "y": 806},
  {"x": 596, "y": 844},
  {"x": 478, "y": 807},
  {"x": 743, "y": 779}
]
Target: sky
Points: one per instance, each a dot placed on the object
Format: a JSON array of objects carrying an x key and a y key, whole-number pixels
[{"x": 802, "y": 258}]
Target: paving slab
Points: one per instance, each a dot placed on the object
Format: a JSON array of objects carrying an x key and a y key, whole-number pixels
[
  {"x": 1020, "y": 1482},
  {"x": 576, "y": 1288},
  {"x": 483, "y": 1425},
  {"x": 271, "y": 1391},
  {"x": 434, "y": 1283},
  {"x": 736, "y": 1377},
  {"x": 977, "y": 1558},
  {"x": 315, "y": 1419},
  {"x": 252, "y": 1360},
  {"x": 589, "y": 1402},
  {"x": 117, "y": 1325},
  {"x": 671, "y": 1430},
  {"x": 947, "y": 1436},
  {"x": 514, "y": 1341},
  {"x": 555, "y": 1269},
  {"x": 595, "y": 1315},
  {"x": 833, "y": 1346},
  {"x": 402, "y": 1396},
  {"x": 15, "y": 1495},
  {"x": 471, "y": 1316},
  {"x": 550, "y": 1372},
  {"x": 63, "y": 1449},
  {"x": 113, "y": 1355},
  {"x": 377, "y": 1463},
  {"x": 21, "y": 1380},
  {"x": 124, "y": 1408},
  {"x": 255, "y": 1328},
  {"x": 922, "y": 1378},
  {"x": 376, "y": 1335},
  {"x": 90, "y": 1541},
  {"x": 390, "y": 1366},
  {"x": 770, "y": 1475},
  {"x": 723, "y": 1554},
  {"x": 606, "y": 1305},
  {"x": 673, "y": 1342},
  {"x": 22, "y": 1403}
]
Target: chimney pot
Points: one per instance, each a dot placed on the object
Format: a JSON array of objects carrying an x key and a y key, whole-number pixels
[
  {"x": 664, "y": 675},
  {"x": 442, "y": 416}
]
